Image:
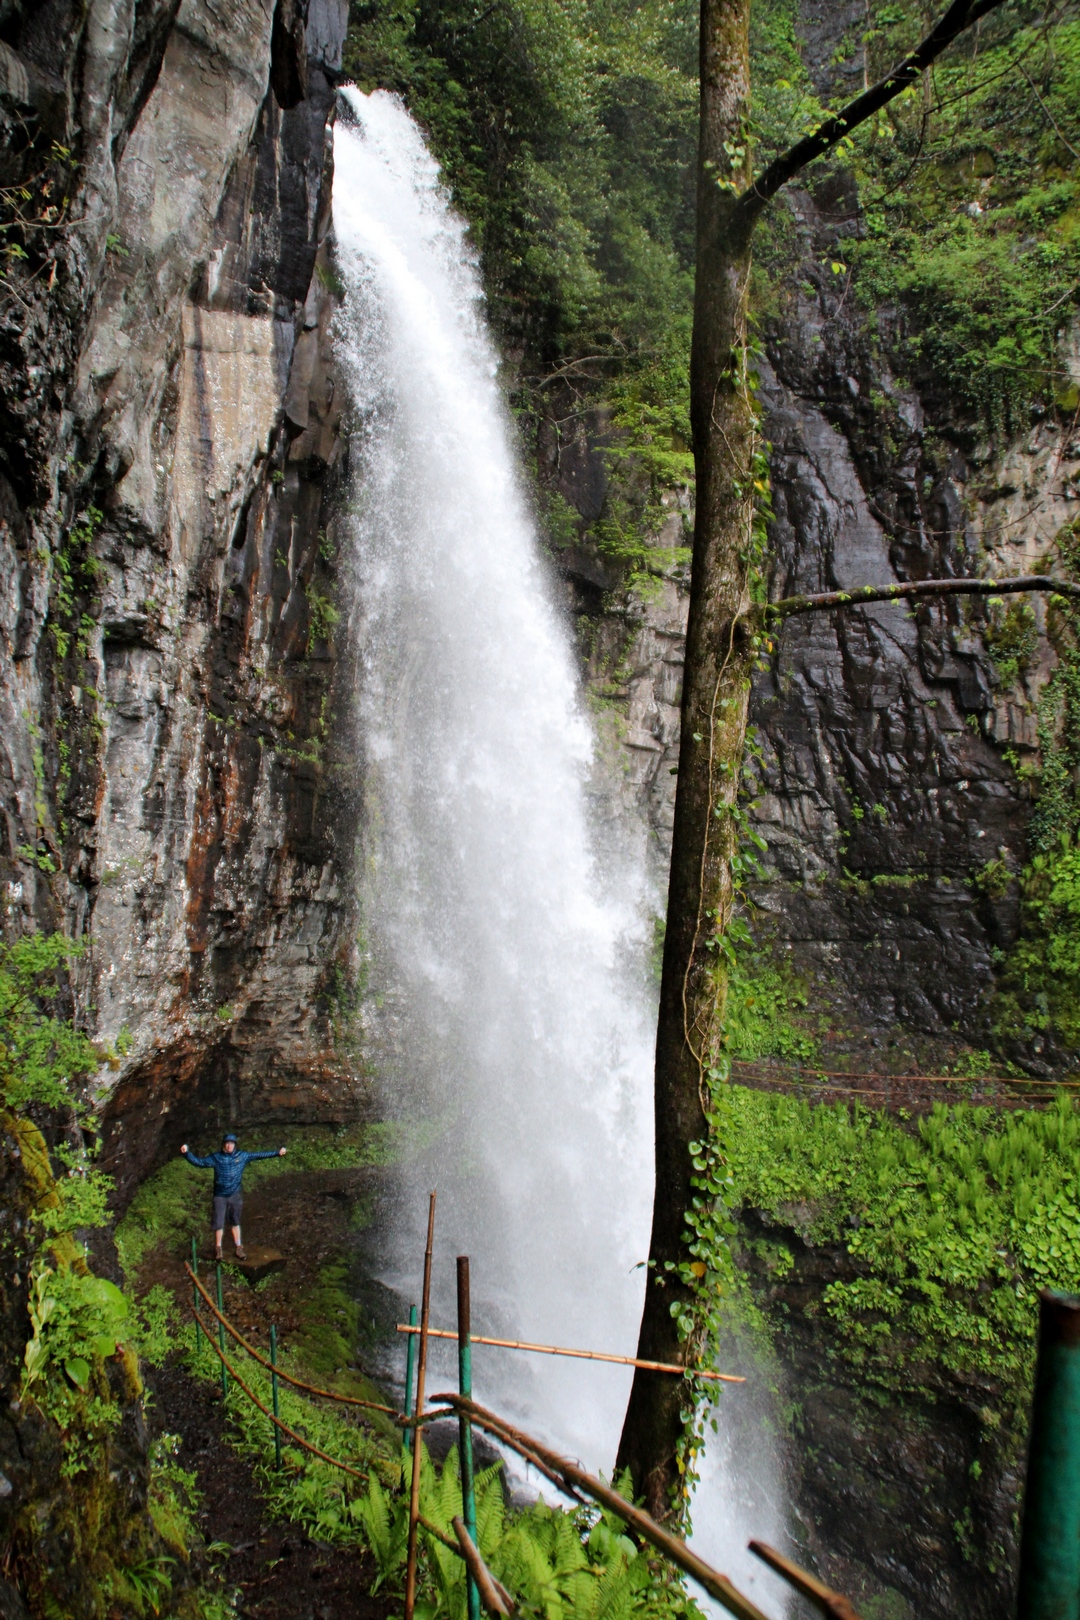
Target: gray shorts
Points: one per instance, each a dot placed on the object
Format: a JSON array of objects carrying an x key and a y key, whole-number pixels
[{"x": 233, "y": 1207}]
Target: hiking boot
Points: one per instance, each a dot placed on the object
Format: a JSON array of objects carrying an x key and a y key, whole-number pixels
[
  {"x": 240, "y": 1255},
  {"x": 217, "y": 1257}
]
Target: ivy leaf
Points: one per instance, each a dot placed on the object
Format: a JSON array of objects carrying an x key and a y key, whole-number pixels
[{"x": 78, "y": 1370}]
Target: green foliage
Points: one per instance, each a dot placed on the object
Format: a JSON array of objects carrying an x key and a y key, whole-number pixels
[
  {"x": 955, "y": 1226},
  {"x": 329, "y": 1318},
  {"x": 567, "y": 133},
  {"x": 77, "y": 576},
  {"x": 323, "y": 616},
  {"x": 1040, "y": 980},
  {"x": 43, "y": 1059},
  {"x": 144, "y": 1587},
  {"x": 77, "y": 1322},
  {"x": 971, "y": 222},
  {"x": 764, "y": 1014},
  {"x": 155, "y": 1325},
  {"x": 567, "y": 129},
  {"x": 174, "y": 1496},
  {"x": 1039, "y": 989},
  {"x": 1012, "y": 639}
]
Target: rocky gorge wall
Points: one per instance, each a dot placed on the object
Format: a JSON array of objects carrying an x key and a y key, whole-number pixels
[
  {"x": 896, "y": 758},
  {"x": 899, "y": 752},
  {"x": 169, "y": 682}
]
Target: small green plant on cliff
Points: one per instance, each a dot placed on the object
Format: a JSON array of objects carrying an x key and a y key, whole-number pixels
[
  {"x": 1012, "y": 638},
  {"x": 765, "y": 1014},
  {"x": 1040, "y": 988},
  {"x": 323, "y": 616}
]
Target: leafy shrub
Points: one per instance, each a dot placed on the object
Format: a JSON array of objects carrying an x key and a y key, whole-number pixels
[{"x": 43, "y": 1058}]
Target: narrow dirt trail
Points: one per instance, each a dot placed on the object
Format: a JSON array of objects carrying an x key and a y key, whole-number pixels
[
  {"x": 281, "y": 1573},
  {"x": 312, "y": 1217}
]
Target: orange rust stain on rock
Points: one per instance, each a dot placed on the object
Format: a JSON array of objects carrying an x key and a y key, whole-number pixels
[
  {"x": 234, "y": 810},
  {"x": 204, "y": 852}
]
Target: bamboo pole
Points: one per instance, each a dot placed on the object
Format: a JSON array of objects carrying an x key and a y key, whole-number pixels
[
  {"x": 830, "y": 1603},
  {"x": 479, "y": 1576},
  {"x": 221, "y": 1334},
  {"x": 410, "y": 1374},
  {"x": 642, "y": 1523},
  {"x": 421, "y": 1371},
  {"x": 581, "y": 1355},
  {"x": 465, "y": 1455}
]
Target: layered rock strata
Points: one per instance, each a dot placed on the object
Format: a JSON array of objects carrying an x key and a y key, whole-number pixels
[{"x": 169, "y": 683}]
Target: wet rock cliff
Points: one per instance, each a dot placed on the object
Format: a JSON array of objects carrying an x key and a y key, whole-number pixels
[
  {"x": 169, "y": 686},
  {"x": 896, "y": 758}
]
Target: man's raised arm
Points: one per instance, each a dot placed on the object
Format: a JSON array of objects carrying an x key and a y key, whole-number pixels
[{"x": 193, "y": 1158}]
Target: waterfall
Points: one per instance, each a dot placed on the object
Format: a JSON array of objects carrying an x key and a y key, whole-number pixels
[
  {"x": 506, "y": 947},
  {"x": 507, "y": 941}
]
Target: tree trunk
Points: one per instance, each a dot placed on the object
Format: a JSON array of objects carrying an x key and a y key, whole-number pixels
[
  {"x": 720, "y": 651},
  {"x": 713, "y": 727}
]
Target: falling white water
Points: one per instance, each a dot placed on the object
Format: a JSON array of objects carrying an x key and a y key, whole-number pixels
[{"x": 515, "y": 1023}]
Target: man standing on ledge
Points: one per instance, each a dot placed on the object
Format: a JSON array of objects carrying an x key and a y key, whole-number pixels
[{"x": 228, "y": 1167}]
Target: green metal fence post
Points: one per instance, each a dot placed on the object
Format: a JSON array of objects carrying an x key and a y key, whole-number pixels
[
  {"x": 195, "y": 1293},
  {"x": 410, "y": 1376},
  {"x": 274, "y": 1387},
  {"x": 221, "y": 1333},
  {"x": 468, "y": 1493},
  {"x": 1050, "y": 1542}
]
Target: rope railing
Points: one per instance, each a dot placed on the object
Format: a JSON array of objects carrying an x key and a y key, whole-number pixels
[
  {"x": 751, "y": 1068},
  {"x": 279, "y": 1372},
  {"x": 565, "y": 1475},
  {"x": 279, "y": 1423}
]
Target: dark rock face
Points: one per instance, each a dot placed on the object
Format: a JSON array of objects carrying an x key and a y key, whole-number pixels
[{"x": 913, "y": 1495}]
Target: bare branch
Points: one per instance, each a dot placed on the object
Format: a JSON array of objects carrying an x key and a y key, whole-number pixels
[
  {"x": 862, "y": 594},
  {"x": 960, "y": 16}
]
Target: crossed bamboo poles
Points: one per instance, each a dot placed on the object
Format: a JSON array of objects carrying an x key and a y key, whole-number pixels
[{"x": 482, "y": 1589}]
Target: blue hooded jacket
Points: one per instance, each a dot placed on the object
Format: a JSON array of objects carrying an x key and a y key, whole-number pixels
[{"x": 228, "y": 1168}]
